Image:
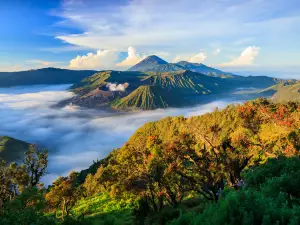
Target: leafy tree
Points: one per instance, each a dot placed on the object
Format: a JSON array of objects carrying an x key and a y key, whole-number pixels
[
  {"x": 35, "y": 163},
  {"x": 5, "y": 184},
  {"x": 92, "y": 183},
  {"x": 271, "y": 196},
  {"x": 64, "y": 193},
  {"x": 27, "y": 209}
]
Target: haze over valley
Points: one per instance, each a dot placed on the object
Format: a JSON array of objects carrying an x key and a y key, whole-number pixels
[{"x": 28, "y": 113}]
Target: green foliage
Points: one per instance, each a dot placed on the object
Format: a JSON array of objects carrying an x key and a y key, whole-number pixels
[
  {"x": 26, "y": 209},
  {"x": 17, "y": 178},
  {"x": 271, "y": 196},
  {"x": 237, "y": 166},
  {"x": 64, "y": 194},
  {"x": 104, "y": 209}
]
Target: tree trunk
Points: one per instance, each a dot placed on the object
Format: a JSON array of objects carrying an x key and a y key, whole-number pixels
[{"x": 63, "y": 209}]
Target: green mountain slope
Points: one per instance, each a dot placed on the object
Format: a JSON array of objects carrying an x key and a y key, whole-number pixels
[
  {"x": 145, "y": 98},
  {"x": 100, "y": 79},
  {"x": 246, "y": 151},
  {"x": 187, "y": 82},
  {"x": 12, "y": 149},
  {"x": 93, "y": 91}
]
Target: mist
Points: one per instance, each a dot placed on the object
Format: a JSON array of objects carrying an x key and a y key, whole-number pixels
[{"x": 75, "y": 136}]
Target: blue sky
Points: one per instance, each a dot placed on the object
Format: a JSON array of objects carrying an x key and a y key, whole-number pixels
[{"x": 255, "y": 36}]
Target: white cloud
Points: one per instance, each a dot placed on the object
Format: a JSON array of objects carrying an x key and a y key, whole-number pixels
[
  {"x": 176, "y": 27},
  {"x": 179, "y": 58},
  {"x": 198, "y": 58},
  {"x": 103, "y": 59},
  {"x": 132, "y": 58},
  {"x": 246, "y": 58}
]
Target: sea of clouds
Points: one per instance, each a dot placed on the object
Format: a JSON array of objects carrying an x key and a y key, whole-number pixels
[{"x": 74, "y": 136}]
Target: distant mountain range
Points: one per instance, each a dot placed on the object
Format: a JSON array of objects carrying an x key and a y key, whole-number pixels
[
  {"x": 154, "y": 83},
  {"x": 150, "y": 84},
  {"x": 43, "y": 76},
  {"x": 156, "y": 64}
]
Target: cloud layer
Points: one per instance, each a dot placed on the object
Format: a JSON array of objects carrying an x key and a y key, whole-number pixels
[
  {"x": 74, "y": 136},
  {"x": 178, "y": 28}
]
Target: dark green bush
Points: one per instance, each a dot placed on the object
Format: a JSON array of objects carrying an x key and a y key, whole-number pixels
[{"x": 271, "y": 196}]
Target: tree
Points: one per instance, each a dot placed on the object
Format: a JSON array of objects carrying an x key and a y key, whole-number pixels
[
  {"x": 26, "y": 208},
  {"x": 5, "y": 184},
  {"x": 271, "y": 196},
  {"x": 64, "y": 193},
  {"x": 92, "y": 183},
  {"x": 35, "y": 163}
]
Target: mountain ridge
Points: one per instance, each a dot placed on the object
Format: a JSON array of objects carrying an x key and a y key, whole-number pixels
[{"x": 154, "y": 63}]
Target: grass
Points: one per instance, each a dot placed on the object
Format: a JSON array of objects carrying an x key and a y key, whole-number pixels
[{"x": 102, "y": 209}]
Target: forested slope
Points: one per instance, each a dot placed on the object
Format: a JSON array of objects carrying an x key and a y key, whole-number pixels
[{"x": 239, "y": 165}]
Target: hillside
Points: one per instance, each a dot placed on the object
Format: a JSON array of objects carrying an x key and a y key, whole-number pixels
[
  {"x": 43, "y": 76},
  {"x": 239, "y": 165},
  {"x": 12, "y": 149},
  {"x": 101, "y": 79},
  {"x": 145, "y": 98}
]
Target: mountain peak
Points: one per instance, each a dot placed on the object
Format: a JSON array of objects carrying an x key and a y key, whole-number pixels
[
  {"x": 153, "y": 59},
  {"x": 149, "y": 62}
]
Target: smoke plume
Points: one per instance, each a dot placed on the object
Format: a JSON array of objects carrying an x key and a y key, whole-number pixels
[{"x": 117, "y": 87}]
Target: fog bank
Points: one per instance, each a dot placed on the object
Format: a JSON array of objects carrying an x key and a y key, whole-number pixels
[{"x": 74, "y": 136}]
